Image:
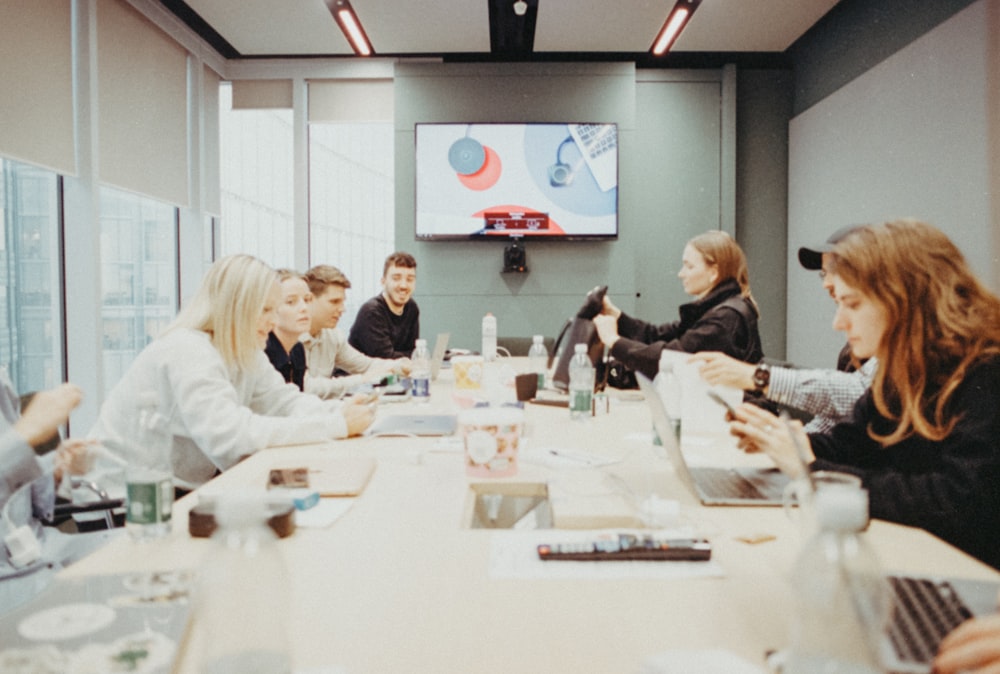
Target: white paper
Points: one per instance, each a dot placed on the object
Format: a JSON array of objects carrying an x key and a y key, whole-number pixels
[
  {"x": 698, "y": 662},
  {"x": 324, "y": 513}
]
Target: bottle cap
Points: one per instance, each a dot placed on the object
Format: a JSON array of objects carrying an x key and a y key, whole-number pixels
[
  {"x": 580, "y": 348},
  {"x": 538, "y": 339},
  {"x": 421, "y": 342},
  {"x": 841, "y": 508}
]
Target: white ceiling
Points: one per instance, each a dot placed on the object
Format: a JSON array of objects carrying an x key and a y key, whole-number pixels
[{"x": 440, "y": 27}]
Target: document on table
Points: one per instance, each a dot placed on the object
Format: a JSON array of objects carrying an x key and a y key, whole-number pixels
[
  {"x": 324, "y": 513},
  {"x": 514, "y": 555},
  {"x": 698, "y": 662}
]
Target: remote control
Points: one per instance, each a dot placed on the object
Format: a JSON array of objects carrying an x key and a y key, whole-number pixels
[{"x": 628, "y": 547}]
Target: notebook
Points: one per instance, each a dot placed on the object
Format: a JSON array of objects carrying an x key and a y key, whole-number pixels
[
  {"x": 714, "y": 486},
  {"x": 326, "y": 475},
  {"x": 598, "y": 144},
  {"x": 100, "y": 623},
  {"x": 414, "y": 424}
]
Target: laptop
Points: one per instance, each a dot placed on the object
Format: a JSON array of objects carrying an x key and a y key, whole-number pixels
[
  {"x": 414, "y": 424},
  {"x": 925, "y": 609},
  {"x": 598, "y": 144},
  {"x": 714, "y": 486},
  {"x": 437, "y": 355}
]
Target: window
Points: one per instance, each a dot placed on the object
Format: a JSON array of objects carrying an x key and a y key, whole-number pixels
[
  {"x": 138, "y": 276},
  {"x": 31, "y": 322},
  {"x": 352, "y": 204},
  {"x": 257, "y": 172}
]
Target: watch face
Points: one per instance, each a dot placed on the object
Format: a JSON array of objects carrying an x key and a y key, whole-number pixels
[{"x": 761, "y": 376}]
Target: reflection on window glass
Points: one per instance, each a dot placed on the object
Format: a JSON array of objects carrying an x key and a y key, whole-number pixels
[
  {"x": 138, "y": 276},
  {"x": 256, "y": 174},
  {"x": 30, "y": 280},
  {"x": 352, "y": 204}
]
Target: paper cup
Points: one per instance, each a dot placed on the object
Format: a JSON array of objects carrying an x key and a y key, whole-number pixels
[{"x": 492, "y": 437}]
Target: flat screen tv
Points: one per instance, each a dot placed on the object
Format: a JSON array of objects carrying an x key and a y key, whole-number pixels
[{"x": 535, "y": 181}]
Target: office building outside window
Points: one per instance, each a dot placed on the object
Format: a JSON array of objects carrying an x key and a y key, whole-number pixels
[
  {"x": 139, "y": 286},
  {"x": 31, "y": 347}
]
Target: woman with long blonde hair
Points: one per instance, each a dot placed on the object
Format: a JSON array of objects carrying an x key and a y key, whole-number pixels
[
  {"x": 722, "y": 317},
  {"x": 212, "y": 381},
  {"x": 925, "y": 439}
]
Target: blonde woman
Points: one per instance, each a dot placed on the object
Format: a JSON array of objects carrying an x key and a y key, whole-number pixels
[
  {"x": 923, "y": 439},
  {"x": 211, "y": 379},
  {"x": 722, "y": 317}
]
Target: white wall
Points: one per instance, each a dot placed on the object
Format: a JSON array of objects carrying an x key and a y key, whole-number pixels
[{"x": 910, "y": 137}]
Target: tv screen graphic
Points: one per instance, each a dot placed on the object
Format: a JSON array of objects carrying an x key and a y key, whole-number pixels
[{"x": 538, "y": 180}]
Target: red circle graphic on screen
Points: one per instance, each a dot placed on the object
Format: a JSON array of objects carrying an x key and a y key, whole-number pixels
[{"x": 487, "y": 176}]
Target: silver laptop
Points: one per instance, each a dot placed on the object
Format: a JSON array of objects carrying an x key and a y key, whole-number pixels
[
  {"x": 437, "y": 355},
  {"x": 598, "y": 144},
  {"x": 714, "y": 486},
  {"x": 925, "y": 609},
  {"x": 414, "y": 424}
]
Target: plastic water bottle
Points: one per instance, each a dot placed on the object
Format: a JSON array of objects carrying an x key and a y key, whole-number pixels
[
  {"x": 669, "y": 387},
  {"x": 581, "y": 383},
  {"x": 242, "y": 605},
  {"x": 420, "y": 374},
  {"x": 149, "y": 488},
  {"x": 489, "y": 337},
  {"x": 538, "y": 359},
  {"x": 841, "y": 600}
]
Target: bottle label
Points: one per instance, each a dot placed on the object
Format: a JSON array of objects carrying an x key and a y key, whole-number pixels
[
  {"x": 149, "y": 502},
  {"x": 580, "y": 401},
  {"x": 421, "y": 387}
]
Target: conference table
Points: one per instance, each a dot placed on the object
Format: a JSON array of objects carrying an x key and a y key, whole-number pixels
[{"x": 401, "y": 582}]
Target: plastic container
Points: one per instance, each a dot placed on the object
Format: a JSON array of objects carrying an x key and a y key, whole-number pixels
[
  {"x": 242, "y": 605},
  {"x": 841, "y": 600},
  {"x": 420, "y": 373},
  {"x": 489, "y": 337},
  {"x": 581, "y": 383},
  {"x": 538, "y": 359},
  {"x": 492, "y": 438},
  {"x": 149, "y": 489}
]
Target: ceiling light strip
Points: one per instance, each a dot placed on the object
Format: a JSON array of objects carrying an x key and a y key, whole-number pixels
[
  {"x": 349, "y": 25},
  {"x": 672, "y": 27}
]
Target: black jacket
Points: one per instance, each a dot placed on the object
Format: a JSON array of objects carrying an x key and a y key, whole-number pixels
[{"x": 721, "y": 321}]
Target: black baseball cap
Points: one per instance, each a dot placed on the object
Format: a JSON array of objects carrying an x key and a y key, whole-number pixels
[{"x": 812, "y": 258}]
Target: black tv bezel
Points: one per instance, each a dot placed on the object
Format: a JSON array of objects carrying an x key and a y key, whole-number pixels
[{"x": 515, "y": 235}]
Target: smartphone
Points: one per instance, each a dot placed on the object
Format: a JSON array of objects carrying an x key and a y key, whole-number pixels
[{"x": 730, "y": 410}]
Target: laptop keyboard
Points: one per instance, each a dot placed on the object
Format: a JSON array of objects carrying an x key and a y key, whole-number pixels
[
  {"x": 924, "y": 612},
  {"x": 725, "y": 484},
  {"x": 597, "y": 138}
]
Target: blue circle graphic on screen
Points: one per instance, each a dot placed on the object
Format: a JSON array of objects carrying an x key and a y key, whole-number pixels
[
  {"x": 558, "y": 168},
  {"x": 466, "y": 156}
]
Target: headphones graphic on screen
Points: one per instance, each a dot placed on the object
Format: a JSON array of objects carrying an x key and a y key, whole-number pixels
[{"x": 561, "y": 174}]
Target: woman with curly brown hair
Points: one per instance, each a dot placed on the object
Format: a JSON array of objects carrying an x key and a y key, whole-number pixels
[{"x": 925, "y": 439}]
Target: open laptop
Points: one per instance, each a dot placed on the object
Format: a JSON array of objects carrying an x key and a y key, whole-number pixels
[
  {"x": 713, "y": 486},
  {"x": 414, "y": 424},
  {"x": 437, "y": 355}
]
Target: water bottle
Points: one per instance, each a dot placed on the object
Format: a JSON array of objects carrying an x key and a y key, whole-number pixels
[
  {"x": 581, "y": 383},
  {"x": 489, "y": 337},
  {"x": 149, "y": 489},
  {"x": 420, "y": 373},
  {"x": 538, "y": 359},
  {"x": 669, "y": 387},
  {"x": 841, "y": 600},
  {"x": 242, "y": 602}
]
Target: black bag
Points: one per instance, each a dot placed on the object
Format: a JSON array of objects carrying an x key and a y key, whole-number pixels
[{"x": 580, "y": 330}]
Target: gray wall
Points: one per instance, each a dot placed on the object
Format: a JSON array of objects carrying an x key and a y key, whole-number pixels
[
  {"x": 676, "y": 179},
  {"x": 916, "y": 135}
]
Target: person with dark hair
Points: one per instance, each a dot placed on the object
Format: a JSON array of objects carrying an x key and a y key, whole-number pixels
[
  {"x": 334, "y": 366},
  {"x": 388, "y": 325},
  {"x": 923, "y": 438},
  {"x": 722, "y": 317},
  {"x": 827, "y": 395}
]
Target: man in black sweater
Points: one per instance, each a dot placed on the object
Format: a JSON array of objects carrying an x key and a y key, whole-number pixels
[{"x": 388, "y": 325}]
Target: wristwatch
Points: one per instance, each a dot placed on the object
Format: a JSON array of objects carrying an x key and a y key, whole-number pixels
[{"x": 761, "y": 376}]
